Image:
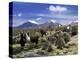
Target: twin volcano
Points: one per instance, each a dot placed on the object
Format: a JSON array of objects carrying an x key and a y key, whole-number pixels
[{"x": 33, "y": 25}]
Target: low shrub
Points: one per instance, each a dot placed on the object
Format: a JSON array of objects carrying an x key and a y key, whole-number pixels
[
  {"x": 66, "y": 37},
  {"x": 60, "y": 43},
  {"x": 74, "y": 30},
  {"x": 61, "y": 39}
]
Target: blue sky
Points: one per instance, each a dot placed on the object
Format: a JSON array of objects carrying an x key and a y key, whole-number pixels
[{"x": 39, "y": 13}]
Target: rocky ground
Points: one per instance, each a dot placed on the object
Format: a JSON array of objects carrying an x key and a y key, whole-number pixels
[{"x": 38, "y": 52}]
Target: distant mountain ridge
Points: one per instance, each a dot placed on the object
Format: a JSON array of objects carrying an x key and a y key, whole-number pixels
[
  {"x": 50, "y": 24},
  {"x": 33, "y": 25}
]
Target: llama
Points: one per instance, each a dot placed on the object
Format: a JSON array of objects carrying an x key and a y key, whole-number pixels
[
  {"x": 22, "y": 39},
  {"x": 32, "y": 39},
  {"x": 27, "y": 37}
]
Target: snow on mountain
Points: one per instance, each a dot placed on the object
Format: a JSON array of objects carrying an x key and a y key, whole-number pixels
[
  {"x": 54, "y": 21},
  {"x": 32, "y": 21}
]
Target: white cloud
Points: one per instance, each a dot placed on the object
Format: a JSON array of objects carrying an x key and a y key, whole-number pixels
[
  {"x": 53, "y": 21},
  {"x": 57, "y": 8},
  {"x": 19, "y": 14},
  {"x": 32, "y": 21},
  {"x": 59, "y": 16},
  {"x": 38, "y": 18},
  {"x": 41, "y": 14}
]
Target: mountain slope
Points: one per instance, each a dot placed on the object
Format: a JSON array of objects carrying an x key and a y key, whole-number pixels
[
  {"x": 28, "y": 25},
  {"x": 50, "y": 24}
]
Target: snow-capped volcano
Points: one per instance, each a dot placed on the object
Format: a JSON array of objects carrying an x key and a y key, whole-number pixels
[
  {"x": 32, "y": 21},
  {"x": 50, "y": 23},
  {"x": 34, "y": 24},
  {"x": 28, "y": 24},
  {"x": 53, "y": 21}
]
